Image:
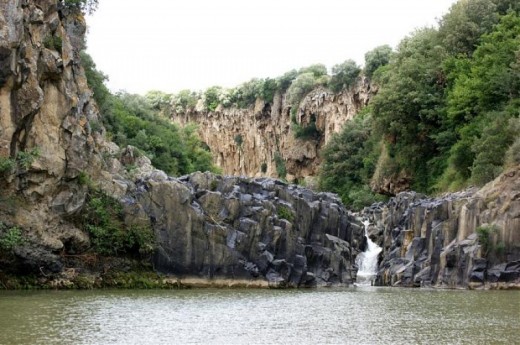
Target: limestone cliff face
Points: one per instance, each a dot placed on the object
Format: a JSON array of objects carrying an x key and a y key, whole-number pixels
[
  {"x": 210, "y": 226},
  {"x": 242, "y": 140},
  {"x": 435, "y": 242},
  {"x": 45, "y": 114}
]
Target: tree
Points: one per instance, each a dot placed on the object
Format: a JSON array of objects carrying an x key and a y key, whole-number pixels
[
  {"x": 408, "y": 110},
  {"x": 95, "y": 79},
  {"x": 349, "y": 162},
  {"x": 86, "y": 6},
  {"x": 344, "y": 75},
  {"x": 211, "y": 97},
  {"x": 302, "y": 85},
  {"x": 460, "y": 29},
  {"x": 377, "y": 57},
  {"x": 318, "y": 70}
]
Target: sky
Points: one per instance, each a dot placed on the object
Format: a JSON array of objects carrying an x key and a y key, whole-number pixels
[{"x": 170, "y": 45}]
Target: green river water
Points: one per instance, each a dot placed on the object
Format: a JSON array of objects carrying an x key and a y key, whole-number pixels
[{"x": 357, "y": 315}]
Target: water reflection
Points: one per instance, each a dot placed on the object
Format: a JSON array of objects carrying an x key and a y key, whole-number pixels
[{"x": 364, "y": 315}]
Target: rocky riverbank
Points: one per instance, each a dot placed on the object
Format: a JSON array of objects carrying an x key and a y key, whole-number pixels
[
  {"x": 203, "y": 228},
  {"x": 469, "y": 239}
]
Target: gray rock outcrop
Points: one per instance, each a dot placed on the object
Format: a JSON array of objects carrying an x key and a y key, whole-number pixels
[
  {"x": 465, "y": 239},
  {"x": 210, "y": 227}
]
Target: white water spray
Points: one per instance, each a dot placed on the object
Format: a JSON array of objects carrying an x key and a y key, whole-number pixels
[{"x": 367, "y": 261}]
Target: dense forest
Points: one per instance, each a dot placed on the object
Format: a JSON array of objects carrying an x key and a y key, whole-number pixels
[
  {"x": 446, "y": 115},
  {"x": 447, "y": 112}
]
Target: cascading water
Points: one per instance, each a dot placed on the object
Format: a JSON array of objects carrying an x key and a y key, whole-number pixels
[{"x": 367, "y": 261}]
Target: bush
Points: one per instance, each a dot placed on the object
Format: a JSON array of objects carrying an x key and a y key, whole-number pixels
[
  {"x": 11, "y": 237},
  {"x": 512, "y": 156},
  {"x": 185, "y": 100},
  {"x": 344, "y": 75},
  {"x": 103, "y": 219},
  {"x": 491, "y": 148},
  {"x": 302, "y": 85},
  {"x": 53, "y": 43},
  {"x": 239, "y": 140},
  {"x": 317, "y": 70},
  {"x": 362, "y": 196},
  {"x": 6, "y": 165},
  {"x": 306, "y": 132},
  {"x": 485, "y": 233},
  {"x": 263, "y": 167},
  {"x": 25, "y": 159},
  {"x": 283, "y": 82},
  {"x": 86, "y": 6},
  {"x": 269, "y": 88},
  {"x": 284, "y": 212},
  {"x": 377, "y": 57},
  {"x": 280, "y": 165},
  {"x": 211, "y": 97},
  {"x": 349, "y": 161},
  {"x": 84, "y": 179}
]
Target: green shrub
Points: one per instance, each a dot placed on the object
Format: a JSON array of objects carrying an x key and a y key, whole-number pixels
[
  {"x": 25, "y": 159},
  {"x": 263, "y": 167},
  {"x": 377, "y": 57},
  {"x": 308, "y": 132},
  {"x": 512, "y": 156},
  {"x": 485, "y": 233},
  {"x": 185, "y": 100},
  {"x": 302, "y": 85},
  {"x": 87, "y": 6},
  {"x": 211, "y": 98},
  {"x": 269, "y": 88},
  {"x": 280, "y": 165},
  {"x": 284, "y": 212},
  {"x": 490, "y": 149},
  {"x": 344, "y": 75},
  {"x": 11, "y": 238},
  {"x": 283, "y": 82},
  {"x": 95, "y": 126},
  {"x": 84, "y": 179},
  {"x": 349, "y": 162},
  {"x": 53, "y": 43},
  {"x": 6, "y": 165},
  {"x": 239, "y": 140},
  {"x": 109, "y": 235},
  {"x": 317, "y": 70}
]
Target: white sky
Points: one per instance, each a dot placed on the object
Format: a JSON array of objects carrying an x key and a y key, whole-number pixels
[{"x": 171, "y": 45}]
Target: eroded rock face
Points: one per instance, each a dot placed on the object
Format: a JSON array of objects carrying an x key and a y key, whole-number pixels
[
  {"x": 45, "y": 114},
  {"x": 243, "y": 140},
  {"x": 210, "y": 226},
  {"x": 435, "y": 242}
]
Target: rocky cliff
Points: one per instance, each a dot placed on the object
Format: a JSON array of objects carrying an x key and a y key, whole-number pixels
[
  {"x": 205, "y": 226},
  {"x": 244, "y": 140},
  {"x": 260, "y": 231},
  {"x": 465, "y": 239},
  {"x": 210, "y": 227},
  {"x": 45, "y": 115}
]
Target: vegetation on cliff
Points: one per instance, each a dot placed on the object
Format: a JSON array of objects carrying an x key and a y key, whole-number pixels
[
  {"x": 447, "y": 110},
  {"x": 445, "y": 115},
  {"x": 136, "y": 120}
]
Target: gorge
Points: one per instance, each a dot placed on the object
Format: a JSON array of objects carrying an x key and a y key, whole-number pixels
[{"x": 66, "y": 189}]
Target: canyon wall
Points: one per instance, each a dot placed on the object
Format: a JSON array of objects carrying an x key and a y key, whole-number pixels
[
  {"x": 465, "y": 239},
  {"x": 244, "y": 140},
  {"x": 257, "y": 230}
]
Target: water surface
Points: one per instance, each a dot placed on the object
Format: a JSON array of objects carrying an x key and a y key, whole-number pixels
[{"x": 364, "y": 315}]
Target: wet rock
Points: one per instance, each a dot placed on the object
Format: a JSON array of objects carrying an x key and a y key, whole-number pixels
[
  {"x": 212, "y": 231},
  {"x": 439, "y": 236}
]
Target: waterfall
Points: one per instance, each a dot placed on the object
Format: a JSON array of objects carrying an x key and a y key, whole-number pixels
[{"x": 367, "y": 261}]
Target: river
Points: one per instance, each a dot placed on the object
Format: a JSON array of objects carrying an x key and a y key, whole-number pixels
[{"x": 357, "y": 315}]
